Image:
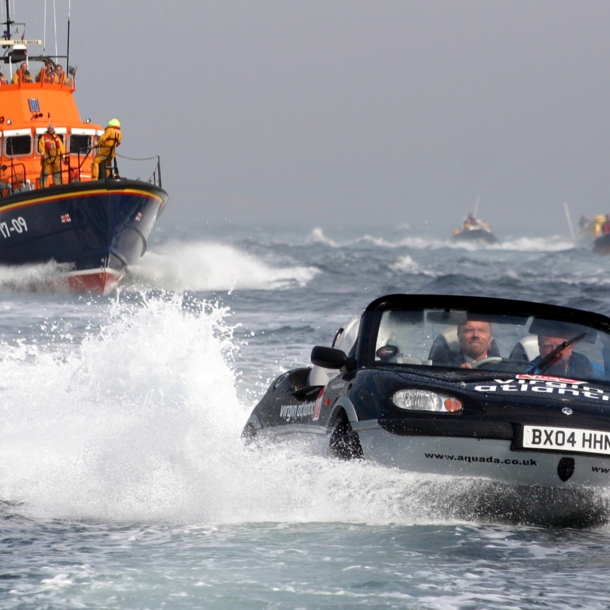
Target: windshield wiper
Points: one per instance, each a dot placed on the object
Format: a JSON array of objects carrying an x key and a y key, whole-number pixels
[{"x": 547, "y": 361}]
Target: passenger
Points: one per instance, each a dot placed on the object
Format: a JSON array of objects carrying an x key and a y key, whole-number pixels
[
  {"x": 46, "y": 72},
  {"x": 475, "y": 340},
  {"x": 606, "y": 226},
  {"x": 566, "y": 363},
  {"x": 18, "y": 76},
  {"x": 2, "y": 79},
  {"x": 27, "y": 77},
  {"x": 51, "y": 150},
  {"x": 60, "y": 76},
  {"x": 106, "y": 148}
]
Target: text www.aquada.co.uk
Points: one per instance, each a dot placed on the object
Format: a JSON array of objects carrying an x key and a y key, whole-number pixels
[{"x": 487, "y": 460}]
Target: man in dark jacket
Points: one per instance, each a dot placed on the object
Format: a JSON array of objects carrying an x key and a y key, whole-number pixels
[
  {"x": 566, "y": 363},
  {"x": 475, "y": 341}
]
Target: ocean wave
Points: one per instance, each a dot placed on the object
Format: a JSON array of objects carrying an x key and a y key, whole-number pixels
[
  {"x": 214, "y": 266},
  {"x": 518, "y": 244},
  {"x": 405, "y": 264},
  {"x": 317, "y": 237},
  {"x": 553, "y": 243}
]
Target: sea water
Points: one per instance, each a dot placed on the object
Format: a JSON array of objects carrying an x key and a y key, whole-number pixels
[{"x": 123, "y": 479}]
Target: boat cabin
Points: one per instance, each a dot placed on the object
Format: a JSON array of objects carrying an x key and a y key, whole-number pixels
[{"x": 36, "y": 91}]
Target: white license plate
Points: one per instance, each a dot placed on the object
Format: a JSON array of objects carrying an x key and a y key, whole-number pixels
[{"x": 566, "y": 439}]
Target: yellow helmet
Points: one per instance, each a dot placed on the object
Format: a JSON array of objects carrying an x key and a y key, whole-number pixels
[{"x": 114, "y": 123}]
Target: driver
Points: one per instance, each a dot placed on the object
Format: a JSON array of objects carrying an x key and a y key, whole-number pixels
[
  {"x": 566, "y": 363},
  {"x": 474, "y": 339}
]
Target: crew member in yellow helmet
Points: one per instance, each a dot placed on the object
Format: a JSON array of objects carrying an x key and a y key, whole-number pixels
[{"x": 106, "y": 148}]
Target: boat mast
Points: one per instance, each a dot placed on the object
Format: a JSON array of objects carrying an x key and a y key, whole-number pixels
[{"x": 476, "y": 205}]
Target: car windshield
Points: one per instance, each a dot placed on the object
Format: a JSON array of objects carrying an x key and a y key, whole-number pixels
[{"x": 472, "y": 340}]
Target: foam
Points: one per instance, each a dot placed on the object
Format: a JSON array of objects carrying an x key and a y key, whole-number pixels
[
  {"x": 34, "y": 278},
  {"x": 107, "y": 429}
]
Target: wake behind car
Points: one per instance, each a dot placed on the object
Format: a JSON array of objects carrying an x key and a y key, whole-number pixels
[{"x": 512, "y": 395}]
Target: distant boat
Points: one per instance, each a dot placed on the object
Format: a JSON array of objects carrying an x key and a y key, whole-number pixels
[
  {"x": 95, "y": 229},
  {"x": 474, "y": 230}
]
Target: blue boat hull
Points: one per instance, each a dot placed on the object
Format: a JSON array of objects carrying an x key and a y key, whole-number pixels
[{"x": 98, "y": 229}]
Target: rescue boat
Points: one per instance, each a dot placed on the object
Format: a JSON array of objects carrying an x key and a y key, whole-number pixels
[{"x": 93, "y": 229}]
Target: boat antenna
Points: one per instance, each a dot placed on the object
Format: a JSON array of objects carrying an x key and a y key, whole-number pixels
[
  {"x": 476, "y": 206},
  {"x": 8, "y": 22},
  {"x": 68, "y": 44},
  {"x": 44, "y": 30},
  {"x": 55, "y": 25},
  {"x": 569, "y": 217}
]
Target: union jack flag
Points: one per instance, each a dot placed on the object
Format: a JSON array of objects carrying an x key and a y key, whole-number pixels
[
  {"x": 139, "y": 215},
  {"x": 65, "y": 218}
]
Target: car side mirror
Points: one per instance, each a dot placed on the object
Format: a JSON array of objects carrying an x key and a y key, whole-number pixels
[{"x": 331, "y": 358}]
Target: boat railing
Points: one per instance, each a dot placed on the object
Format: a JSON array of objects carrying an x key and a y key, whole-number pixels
[
  {"x": 75, "y": 173},
  {"x": 155, "y": 177},
  {"x": 13, "y": 176},
  {"x": 112, "y": 165},
  {"x": 20, "y": 84},
  {"x": 15, "y": 180}
]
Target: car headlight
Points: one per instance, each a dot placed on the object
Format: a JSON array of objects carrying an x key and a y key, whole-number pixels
[{"x": 423, "y": 400}]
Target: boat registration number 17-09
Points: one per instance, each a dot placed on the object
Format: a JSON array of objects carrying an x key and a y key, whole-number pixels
[
  {"x": 18, "y": 225},
  {"x": 566, "y": 439}
]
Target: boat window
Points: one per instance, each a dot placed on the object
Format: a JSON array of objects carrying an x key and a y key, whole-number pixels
[
  {"x": 511, "y": 344},
  {"x": 80, "y": 144},
  {"x": 18, "y": 145}
]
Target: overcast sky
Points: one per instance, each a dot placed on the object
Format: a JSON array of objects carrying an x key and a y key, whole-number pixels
[{"x": 322, "y": 113}]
